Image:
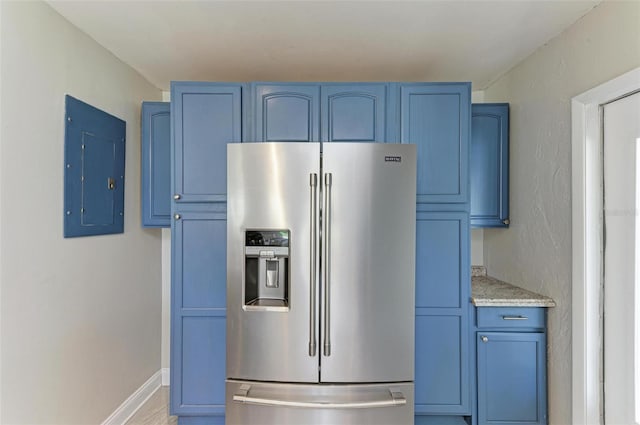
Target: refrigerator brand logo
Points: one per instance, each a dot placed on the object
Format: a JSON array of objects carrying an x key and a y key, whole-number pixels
[{"x": 392, "y": 159}]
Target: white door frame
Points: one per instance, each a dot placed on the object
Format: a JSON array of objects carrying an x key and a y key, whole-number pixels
[{"x": 587, "y": 253}]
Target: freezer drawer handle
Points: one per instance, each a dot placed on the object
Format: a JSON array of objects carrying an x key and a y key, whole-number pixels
[
  {"x": 326, "y": 224},
  {"x": 395, "y": 399},
  {"x": 313, "y": 182}
]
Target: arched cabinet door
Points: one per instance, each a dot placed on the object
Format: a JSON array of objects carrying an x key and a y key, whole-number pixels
[
  {"x": 489, "y": 165},
  {"x": 286, "y": 112},
  {"x": 354, "y": 112}
]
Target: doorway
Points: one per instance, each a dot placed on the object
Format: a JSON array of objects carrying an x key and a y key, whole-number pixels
[
  {"x": 588, "y": 262},
  {"x": 621, "y": 237}
]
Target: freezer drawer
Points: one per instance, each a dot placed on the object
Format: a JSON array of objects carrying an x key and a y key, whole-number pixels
[{"x": 262, "y": 403}]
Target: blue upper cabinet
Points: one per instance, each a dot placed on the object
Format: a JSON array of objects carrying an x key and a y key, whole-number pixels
[
  {"x": 332, "y": 112},
  {"x": 436, "y": 117},
  {"x": 206, "y": 116},
  {"x": 354, "y": 112},
  {"x": 286, "y": 112},
  {"x": 490, "y": 165},
  {"x": 156, "y": 164}
]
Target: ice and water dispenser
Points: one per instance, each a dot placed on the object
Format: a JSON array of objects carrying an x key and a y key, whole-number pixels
[{"x": 266, "y": 269}]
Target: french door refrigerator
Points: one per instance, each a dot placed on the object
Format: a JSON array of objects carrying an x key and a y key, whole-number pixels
[{"x": 320, "y": 283}]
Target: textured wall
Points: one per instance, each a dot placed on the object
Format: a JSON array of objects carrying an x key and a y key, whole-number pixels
[
  {"x": 80, "y": 317},
  {"x": 535, "y": 252}
]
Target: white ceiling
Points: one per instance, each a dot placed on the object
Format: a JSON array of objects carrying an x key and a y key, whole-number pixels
[{"x": 323, "y": 40}]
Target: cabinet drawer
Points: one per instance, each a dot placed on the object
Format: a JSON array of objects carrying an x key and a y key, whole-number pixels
[{"x": 510, "y": 317}]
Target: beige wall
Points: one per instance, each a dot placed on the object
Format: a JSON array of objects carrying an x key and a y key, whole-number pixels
[
  {"x": 80, "y": 318},
  {"x": 535, "y": 252}
]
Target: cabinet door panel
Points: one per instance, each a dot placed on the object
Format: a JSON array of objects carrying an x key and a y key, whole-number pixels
[
  {"x": 441, "y": 365},
  {"x": 439, "y": 255},
  {"x": 202, "y": 244},
  {"x": 436, "y": 117},
  {"x": 354, "y": 113},
  {"x": 490, "y": 165},
  {"x": 511, "y": 378},
  {"x": 203, "y": 360},
  {"x": 286, "y": 113},
  {"x": 156, "y": 164},
  {"x": 439, "y": 352},
  {"x": 206, "y": 117},
  {"x": 198, "y": 313}
]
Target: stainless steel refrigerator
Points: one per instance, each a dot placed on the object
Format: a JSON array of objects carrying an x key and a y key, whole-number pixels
[{"x": 320, "y": 283}]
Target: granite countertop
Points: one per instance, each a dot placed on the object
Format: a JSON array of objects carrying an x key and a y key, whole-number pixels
[{"x": 489, "y": 292}]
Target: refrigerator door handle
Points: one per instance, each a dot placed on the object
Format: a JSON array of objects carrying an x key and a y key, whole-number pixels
[
  {"x": 394, "y": 399},
  {"x": 326, "y": 224},
  {"x": 313, "y": 182}
]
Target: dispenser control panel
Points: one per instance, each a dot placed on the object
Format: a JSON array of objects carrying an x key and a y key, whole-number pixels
[{"x": 267, "y": 238}]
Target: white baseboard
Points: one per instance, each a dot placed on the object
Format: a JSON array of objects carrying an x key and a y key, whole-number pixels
[
  {"x": 165, "y": 376},
  {"x": 131, "y": 405}
]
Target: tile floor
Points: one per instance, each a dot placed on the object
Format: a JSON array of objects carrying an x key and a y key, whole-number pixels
[{"x": 155, "y": 411}]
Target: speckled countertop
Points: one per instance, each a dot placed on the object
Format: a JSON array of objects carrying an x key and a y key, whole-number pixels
[{"x": 489, "y": 292}]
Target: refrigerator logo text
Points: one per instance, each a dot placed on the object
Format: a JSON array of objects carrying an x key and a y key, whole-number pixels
[{"x": 392, "y": 159}]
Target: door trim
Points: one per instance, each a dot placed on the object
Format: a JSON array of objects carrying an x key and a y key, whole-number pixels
[{"x": 587, "y": 254}]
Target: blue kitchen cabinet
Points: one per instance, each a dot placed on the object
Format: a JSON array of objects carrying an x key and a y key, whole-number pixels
[
  {"x": 354, "y": 112},
  {"x": 442, "y": 325},
  {"x": 286, "y": 112},
  {"x": 156, "y": 164},
  {"x": 437, "y": 118},
  {"x": 489, "y": 165},
  {"x": 198, "y": 312},
  {"x": 511, "y": 366},
  {"x": 206, "y": 116},
  {"x": 337, "y": 112}
]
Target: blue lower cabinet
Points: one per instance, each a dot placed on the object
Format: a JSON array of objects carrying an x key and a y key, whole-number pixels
[
  {"x": 442, "y": 378},
  {"x": 511, "y": 378},
  {"x": 198, "y": 313},
  {"x": 442, "y": 372}
]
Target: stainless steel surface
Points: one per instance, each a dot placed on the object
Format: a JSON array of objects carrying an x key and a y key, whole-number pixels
[
  {"x": 367, "y": 263},
  {"x": 514, "y": 318},
  {"x": 313, "y": 261},
  {"x": 267, "y": 188},
  {"x": 268, "y": 403},
  {"x": 484, "y": 338},
  {"x": 326, "y": 225},
  {"x": 372, "y": 262}
]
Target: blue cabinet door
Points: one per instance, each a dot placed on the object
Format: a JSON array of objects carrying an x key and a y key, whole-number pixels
[
  {"x": 442, "y": 382},
  {"x": 436, "y": 117},
  {"x": 354, "y": 112},
  {"x": 284, "y": 112},
  {"x": 489, "y": 165},
  {"x": 156, "y": 164},
  {"x": 198, "y": 313},
  {"x": 205, "y": 117},
  {"x": 511, "y": 378}
]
